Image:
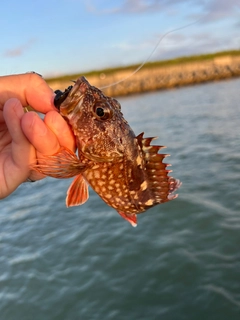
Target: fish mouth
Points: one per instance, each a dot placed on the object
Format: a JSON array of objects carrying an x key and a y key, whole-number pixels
[
  {"x": 70, "y": 100},
  {"x": 61, "y": 96}
]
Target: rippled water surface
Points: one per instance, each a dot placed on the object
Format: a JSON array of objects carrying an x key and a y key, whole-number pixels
[{"x": 183, "y": 259}]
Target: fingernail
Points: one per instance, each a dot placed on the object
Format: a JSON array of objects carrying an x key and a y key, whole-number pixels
[{"x": 35, "y": 73}]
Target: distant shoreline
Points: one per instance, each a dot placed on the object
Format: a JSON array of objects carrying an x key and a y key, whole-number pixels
[{"x": 161, "y": 74}]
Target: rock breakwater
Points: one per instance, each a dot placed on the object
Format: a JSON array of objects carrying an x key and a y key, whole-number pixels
[{"x": 162, "y": 77}]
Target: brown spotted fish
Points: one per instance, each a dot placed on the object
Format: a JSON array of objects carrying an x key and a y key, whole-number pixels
[{"x": 125, "y": 170}]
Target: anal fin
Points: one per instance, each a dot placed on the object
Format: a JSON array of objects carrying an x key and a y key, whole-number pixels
[
  {"x": 77, "y": 193},
  {"x": 131, "y": 218}
]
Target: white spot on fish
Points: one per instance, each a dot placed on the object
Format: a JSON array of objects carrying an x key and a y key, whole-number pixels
[
  {"x": 149, "y": 202},
  {"x": 97, "y": 189},
  {"x": 139, "y": 160},
  {"x": 103, "y": 189},
  {"x": 144, "y": 185},
  {"x": 100, "y": 183},
  {"x": 96, "y": 174},
  {"x": 119, "y": 192}
]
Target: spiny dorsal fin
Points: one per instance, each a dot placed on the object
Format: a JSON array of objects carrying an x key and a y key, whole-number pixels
[{"x": 161, "y": 185}]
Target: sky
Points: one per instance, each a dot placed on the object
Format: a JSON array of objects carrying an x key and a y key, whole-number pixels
[{"x": 58, "y": 37}]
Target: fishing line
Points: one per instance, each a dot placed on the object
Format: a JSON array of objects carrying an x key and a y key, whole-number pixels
[{"x": 151, "y": 54}]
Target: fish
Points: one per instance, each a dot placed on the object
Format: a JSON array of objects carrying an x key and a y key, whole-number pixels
[{"x": 125, "y": 170}]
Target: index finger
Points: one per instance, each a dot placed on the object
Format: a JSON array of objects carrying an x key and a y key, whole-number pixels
[{"x": 30, "y": 89}]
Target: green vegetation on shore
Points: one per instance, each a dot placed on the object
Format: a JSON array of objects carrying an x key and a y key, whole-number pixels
[{"x": 154, "y": 64}]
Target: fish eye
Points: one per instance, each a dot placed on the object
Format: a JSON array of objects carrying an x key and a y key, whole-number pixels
[{"x": 102, "y": 111}]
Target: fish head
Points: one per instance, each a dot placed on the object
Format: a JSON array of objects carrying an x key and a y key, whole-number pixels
[{"x": 101, "y": 131}]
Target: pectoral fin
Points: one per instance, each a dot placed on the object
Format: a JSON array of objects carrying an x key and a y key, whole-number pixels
[{"x": 63, "y": 164}]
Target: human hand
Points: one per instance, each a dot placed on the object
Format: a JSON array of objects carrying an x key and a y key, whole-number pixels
[{"x": 25, "y": 136}]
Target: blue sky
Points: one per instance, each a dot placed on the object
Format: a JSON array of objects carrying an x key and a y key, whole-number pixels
[{"x": 57, "y": 37}]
